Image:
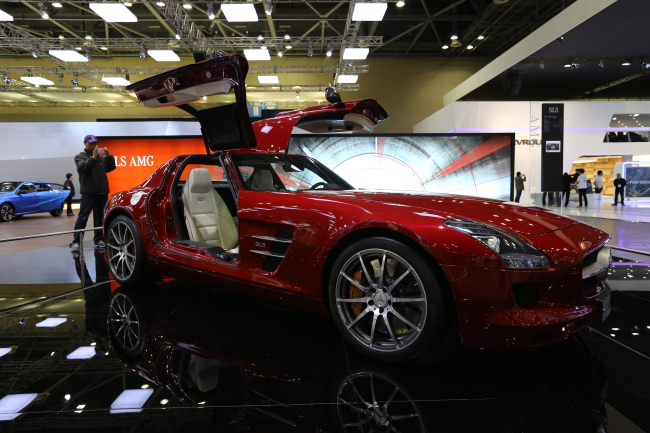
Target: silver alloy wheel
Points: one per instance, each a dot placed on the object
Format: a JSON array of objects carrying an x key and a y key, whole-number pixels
[
  {"x": 387, "y": 310},
  {"x": 7, "y": 212},
  {"x": 124, "y": 322},
  {"x": 371, "y": 402},
  {"x": 121, "y": 251}
]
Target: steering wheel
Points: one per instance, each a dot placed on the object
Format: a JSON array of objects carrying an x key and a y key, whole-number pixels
[{"x": 316, "y": 185}]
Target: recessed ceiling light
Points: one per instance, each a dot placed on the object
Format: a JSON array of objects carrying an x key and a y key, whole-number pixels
[
  {"x": 369, "y": 11},
  {"x": 164, "y": 55},
  {"x": 257, "y": 54},
  {"x": 239, "y": 13},
  {"x": 4, "y": 16},
  {"x": 116, "y": 81},
  {"x": 400, "y": 3},
  {"x": 68, "y": 55},
  {"x": 268, "y": 79},
  {"x": 480, "y": 37},
  {"x": 355, "y": 53},
  {"x": 470, "y": 47},
  {"x": 113, "y": 12},
  {"x": 347, "y": 79}
]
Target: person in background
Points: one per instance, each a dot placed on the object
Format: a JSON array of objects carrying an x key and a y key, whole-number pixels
[
  {"x": 582, "y": 186},
  {"x": 70, "y": 187},
  {"x": 519, "y": 185},
  {"x": 598, "y": 185},
  {"x": 550, "y": 198},
  {"x": 92, "y": 165},
  {"x": 619, "y": 187},
  {"x": 567, "y": 180}
]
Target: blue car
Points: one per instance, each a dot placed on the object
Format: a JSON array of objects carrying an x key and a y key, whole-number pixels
[{"x": 20, "y": 198}]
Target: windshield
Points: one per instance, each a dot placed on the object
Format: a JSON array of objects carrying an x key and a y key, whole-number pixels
[{"x": 282, "y": 172}]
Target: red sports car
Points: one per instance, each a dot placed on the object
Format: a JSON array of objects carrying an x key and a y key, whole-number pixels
[{"x": 396, "y": 271}]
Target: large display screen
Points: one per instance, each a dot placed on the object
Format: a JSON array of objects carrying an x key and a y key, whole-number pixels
[
  {"x": 470, "y": 164},
  {"x": 637, "y": 181}
]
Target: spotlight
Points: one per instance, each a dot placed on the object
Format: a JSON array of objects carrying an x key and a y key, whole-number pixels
[
  {"x": 142, "y": 51},
  {"x": 480, "y": 37},
  {"x": 36, "y": 52},
  {"x": 645, "y": 66},
  {"x": 541, "y": 65},
  {"x": 60, "y": 78},
  {"x": 559, "y": 40},
  {"x": 43, "y": 11},
  {"x": 8, "y": 80},
  {"x": 329, "y": 50},
  {"x": 268, "y": 7},
  {"x": 574, "y": 66},
  {"x": 211, "y": 10},
  {"x": 280, "y": 51},
  {"x": 187, "y": 6},
  {"x": 88, "y": 56},
  {"x": 626, "y": 63},
  {"x": 601, "y": 64},
  {"x": 260, "y": 38},
  {"x": 61, "y": 37},
  {"x": 75, "y": 79},
  {"x": 310, "y": 50},
  {"x": 297, "y": 94},
  {"x": 287, "y": 37},
  {"x": 178, "y": 36}
]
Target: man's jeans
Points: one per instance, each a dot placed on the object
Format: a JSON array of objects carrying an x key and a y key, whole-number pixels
[{"x": 94, "y": 203}]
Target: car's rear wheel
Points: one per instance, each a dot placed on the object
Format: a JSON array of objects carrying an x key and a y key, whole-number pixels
[
  {"x": 125, "y": 252},
  {"x": 7, "y": 212},
  {"x": 57, "y": 212},
  {"x": 386, "y": 300}
]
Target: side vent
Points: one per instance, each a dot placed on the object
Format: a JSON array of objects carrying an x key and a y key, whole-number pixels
[{"x": 276, "y": 251}]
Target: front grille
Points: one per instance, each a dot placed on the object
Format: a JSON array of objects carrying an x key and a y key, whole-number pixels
[{"x": 526, "y": 294}]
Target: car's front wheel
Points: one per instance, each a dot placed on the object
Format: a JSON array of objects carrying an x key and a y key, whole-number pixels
[
  {"x": 57, "y": 212},
  {"x": 386, "y": 300},
  {"x": 125, "y": 252},
  {"x": 7, "y": 212}
]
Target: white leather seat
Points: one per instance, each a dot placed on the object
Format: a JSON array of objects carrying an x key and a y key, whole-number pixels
[
  {"x": 263, "y": 181},
  {"x": 207, "y": 217}
]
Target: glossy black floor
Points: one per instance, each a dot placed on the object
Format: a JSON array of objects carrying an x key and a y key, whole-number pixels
[{"x": 207, "y": 361}]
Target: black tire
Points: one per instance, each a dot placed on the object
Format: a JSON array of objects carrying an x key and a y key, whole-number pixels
[
  {"x": 57, "y": 212},
  {"x": 125, "y": 252},
  {"x": 400, "y": 313},
  {"x": 7, "y": 212},
  {"x": 127, "y": 324}
]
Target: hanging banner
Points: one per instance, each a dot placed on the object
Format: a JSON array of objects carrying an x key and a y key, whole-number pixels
[{"x": 552, "y": 146}]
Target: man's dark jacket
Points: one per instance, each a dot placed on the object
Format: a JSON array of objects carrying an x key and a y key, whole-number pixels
[
  {"x": 619, "y": 183},
  {"x": 92, "y": 172},
  {"x": 68, "y": 183}
]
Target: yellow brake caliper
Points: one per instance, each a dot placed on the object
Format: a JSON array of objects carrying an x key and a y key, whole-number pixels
[{"x": 356, "y": 293}]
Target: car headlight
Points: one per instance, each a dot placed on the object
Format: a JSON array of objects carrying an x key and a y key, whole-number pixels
[{"x": 514, "y": 253}]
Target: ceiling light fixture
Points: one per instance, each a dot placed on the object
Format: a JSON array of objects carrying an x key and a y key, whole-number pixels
[
  {"x": 645, "y": 66},
  {"x": 164, "y": 55},
  {"x": 37, "y": 81},
  {"x": 445, "y": 47},
  {"x": 239, "y": 12},
  {"x": 310, "y": 50},
  {"x": 128, "y": 4},
  {"x": 257, "y": 54},
  {"x": 541, "y": 64},
  {"x": 187, "y": 5},
  {"x": 36, "y": 52},
  {"x": 601, "y": 64},
  {"x": 210, "y": 10},
  {"x": 289, "y": 46},
  {"x": 116, "y": 81},
  {"x": 268, "y": 79},
  {"x": 4, "y": 16},
  {"x": 113, "y": 12},
  {"x": 268, "y": 7},
  {"x": 103, "y": 48},
  {"x": 369, "y": 11},
  {"x": 355, "y": 53},
  {"x": 329, "y": 50},
  {"x": 142, "y": 51},
  {"x": 260, "y": 38},
  {"x": 75, "y": 79},
  {"x": 347, "y": 79},
  {"x": 287, "y": 37},
  {"x": 43, "y": 11},
  {"x": 160, "y": 4},
  {"x": 88, "y": 56},
  {"x": 453, "y": 37},
  {"x": 574, "y": 66},
  {"x": 68, "y": 55},
  {"x": 297, "y": 94},
  {"x": 480, "y": 37},
  {"x": 470, "y": 47},
  {"x": 400, "y": 3},
  {"x": 60, "y": 78},
  {"x": 280, "y": 51},
  {"x": 626, "y": 63},
  {"x": 57, "y": 5}
]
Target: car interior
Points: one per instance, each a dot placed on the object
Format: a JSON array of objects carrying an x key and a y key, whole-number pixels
[{"x": 205, "y": 210}]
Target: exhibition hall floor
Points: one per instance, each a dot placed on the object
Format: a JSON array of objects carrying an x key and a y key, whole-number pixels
[{"x": 218, "y": 362}]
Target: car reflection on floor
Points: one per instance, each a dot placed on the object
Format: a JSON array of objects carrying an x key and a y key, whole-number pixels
[{"x": 262, "y": 369}]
